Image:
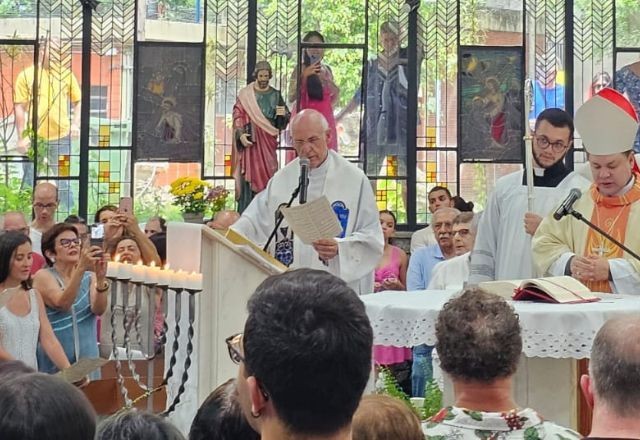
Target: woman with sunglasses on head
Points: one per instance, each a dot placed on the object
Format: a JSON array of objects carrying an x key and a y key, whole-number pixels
[
  {"x": 74, "y": 288},
  {"x": 23, "y": 319}
]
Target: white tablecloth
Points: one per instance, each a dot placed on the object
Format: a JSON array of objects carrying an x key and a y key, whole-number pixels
[{"x": 406, "y": 319}]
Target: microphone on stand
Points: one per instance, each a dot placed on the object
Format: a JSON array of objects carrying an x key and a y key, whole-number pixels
[
  {"x": 567, "y": 209},
  {"x": 567, "y": 205},
  {"x": 304, "y": 180}
]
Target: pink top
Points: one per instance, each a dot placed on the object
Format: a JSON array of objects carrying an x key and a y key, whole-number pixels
[
  {"x": 384, "y": 355},
  {"x": 392, "y": 269}
]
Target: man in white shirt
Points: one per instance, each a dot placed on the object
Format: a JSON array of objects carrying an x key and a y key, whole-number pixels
[
  {"x": 454, "y": 273},
  {"x": 438, "y": 197},
  {"x": 351, "y": 256},
  {"x": 45, "y": 205}
]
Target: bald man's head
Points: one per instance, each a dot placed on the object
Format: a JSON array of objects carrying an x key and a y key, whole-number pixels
[
  {"x": 45, "y": 203},
  {"x": 224, "y": 219},
  {"x": 615, "y": 365},
  {"x": 311, "y": 135},
  {"x": 14, "y": 221}
]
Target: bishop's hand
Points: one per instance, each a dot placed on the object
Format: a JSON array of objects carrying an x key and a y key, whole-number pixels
[{"x": 590, "y": 268}]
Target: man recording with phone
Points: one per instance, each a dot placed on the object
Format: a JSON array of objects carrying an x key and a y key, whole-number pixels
[{"x": 565, "y": 246}]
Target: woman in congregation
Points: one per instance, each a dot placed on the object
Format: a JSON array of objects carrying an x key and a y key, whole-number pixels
[
  {"x": 317, "y": 88},
  {"x": 391, "y": 274},
  {"x": 23, "y": 318},
  {"x": 74, "y": 288},
  {"x": 126, "y": 249}
]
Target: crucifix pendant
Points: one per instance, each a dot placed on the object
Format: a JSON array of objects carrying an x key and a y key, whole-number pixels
[{"x": 601, "y": 250}]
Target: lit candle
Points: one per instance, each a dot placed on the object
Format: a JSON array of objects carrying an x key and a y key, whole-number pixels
[
  {"x": 164, "y": 276},
  {"x": 125, "y": 272},
  {"x": 194, "y": 281},
  {"x": 152, "y": 274},
  {"x": 178, "y": 280},
  {"x": 138, "y": 273},
  {"x": 113, "y": 269}
]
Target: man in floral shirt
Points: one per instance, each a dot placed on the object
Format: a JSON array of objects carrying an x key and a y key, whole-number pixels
[{"x": 479, "y": 344}]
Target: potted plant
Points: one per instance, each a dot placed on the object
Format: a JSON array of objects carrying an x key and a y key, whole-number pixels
[
  {"x": 189, "y": 193},
  {"x": 217, "y": 199}
]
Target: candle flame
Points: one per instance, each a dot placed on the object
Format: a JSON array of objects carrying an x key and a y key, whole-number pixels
[
  {"x": 139, "y": 263},
  {"x": 153, "y": 264},
  {"x": 167, "y": 266},
  {"x": 117, "y": 258}
]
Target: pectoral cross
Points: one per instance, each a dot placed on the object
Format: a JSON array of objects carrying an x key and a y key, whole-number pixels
[{"x": 601, "y": 250}]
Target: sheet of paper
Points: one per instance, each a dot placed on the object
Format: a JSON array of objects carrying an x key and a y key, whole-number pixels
[
  {"x": 313, "y": 220},
  {"x": 79, "y": 370}
]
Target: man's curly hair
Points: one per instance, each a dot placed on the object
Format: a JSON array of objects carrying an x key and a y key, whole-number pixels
[{"x": 478, "y": 337}]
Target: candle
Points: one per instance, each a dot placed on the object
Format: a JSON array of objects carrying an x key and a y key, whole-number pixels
[
  {"x": 178, "y": 280},
  {"x": 113, "y": 269},
  {"x": 194, "y": 281},
  {"x": 138, "y": 273},
  {"x": 125, "y": 272},
  {"x": 152, "y": 274},
  {"x": 164, "y": 276}
]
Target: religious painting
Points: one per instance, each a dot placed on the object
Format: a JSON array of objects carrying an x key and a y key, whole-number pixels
[
  {"x": 169, "y": 102},
  {"x": 490, "y": 105}
]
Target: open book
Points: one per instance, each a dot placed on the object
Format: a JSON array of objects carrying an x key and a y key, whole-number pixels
[{"x": 564, "y": 290}]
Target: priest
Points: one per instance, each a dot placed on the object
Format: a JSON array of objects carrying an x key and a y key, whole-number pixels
[
  {"x": 608, "y": 125},
  {"x": 502, "y": 249},
  {"x": 353, "y": 255}
]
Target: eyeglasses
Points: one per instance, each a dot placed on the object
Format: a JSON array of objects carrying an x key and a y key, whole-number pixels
[
  {"x": 45, "y": 206},
  {"x": 234, "y": 344},
  {"x": 314, "y": 140},
  {"x": 462, "y": 232},
  {"x": 543, "y": 142},
  {"x": 68, "y": 242}
]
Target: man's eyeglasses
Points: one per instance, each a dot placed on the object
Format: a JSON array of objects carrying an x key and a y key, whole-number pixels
[
  {"x": 463, "y": 232},
  {"x": 234, "y": 344},
  {"x": 544, "y": 143},
  {"x": 45, "y": 205},
  {"x": 68, "y": 242}
]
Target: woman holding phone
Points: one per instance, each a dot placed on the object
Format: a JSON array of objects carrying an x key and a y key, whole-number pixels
[
  {"x": 74, "y": 288},
  {"x": 317, "y": 89}
]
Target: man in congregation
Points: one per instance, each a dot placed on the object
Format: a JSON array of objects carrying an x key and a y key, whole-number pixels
[
  {"x": 479, "y": 344},
  {"x": 612, "y": 387},
  {"x": 454, "y": 273},
  {"x": 15, "y": 221},
  {"x": 438, "y": 197},
  {"x": 608, "y": 124},
  {"x": 45, "y": 205},
  {"x": 421, "y": 265},
  {"x": 502, "y": 248},
  {"x": 353, "y": 255},
  {"x": 305, "y": 357}
]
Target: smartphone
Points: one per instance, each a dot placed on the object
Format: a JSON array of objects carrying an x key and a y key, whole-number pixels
[
  {"x": 126, "y": 205},
  {"x": 97, "y": 235},
  {"x": 313, "y": 58}
]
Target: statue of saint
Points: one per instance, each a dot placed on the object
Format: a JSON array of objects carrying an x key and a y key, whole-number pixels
[{"x": 259, "y": 115}]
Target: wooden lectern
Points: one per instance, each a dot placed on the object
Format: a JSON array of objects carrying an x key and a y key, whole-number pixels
[{"x": 232, "y": 268}]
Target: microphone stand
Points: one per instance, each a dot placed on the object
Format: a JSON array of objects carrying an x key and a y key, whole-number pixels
[
  {"x": 294, "y": 194},
  {"x": 580, "y": 217}
]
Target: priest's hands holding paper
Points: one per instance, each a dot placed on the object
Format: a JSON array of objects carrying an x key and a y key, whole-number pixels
[
  {"x": 591, "y": 268},
  {"x": 531, "y": 222},
  {"x": 327, "y": 248}
]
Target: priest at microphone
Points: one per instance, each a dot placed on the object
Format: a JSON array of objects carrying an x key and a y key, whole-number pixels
[
  {"x": 353, "y": 255},
  {"x": 608, "y": 125}
]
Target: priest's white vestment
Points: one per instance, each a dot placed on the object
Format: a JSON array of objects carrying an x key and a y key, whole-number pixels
[
  {"x": 502, "y": 249},
  {"x": 349, "y": 192}
]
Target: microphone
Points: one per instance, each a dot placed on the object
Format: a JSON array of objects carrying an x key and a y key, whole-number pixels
[
  {"x": 304, "y": 180},
  {"x": 567, "y": 205}
]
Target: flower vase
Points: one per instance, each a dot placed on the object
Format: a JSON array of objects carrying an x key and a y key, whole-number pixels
[{"x": 193, "y": 217}]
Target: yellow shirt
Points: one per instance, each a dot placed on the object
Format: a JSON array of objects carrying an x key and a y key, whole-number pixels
[{"x": 54, "y": 91}]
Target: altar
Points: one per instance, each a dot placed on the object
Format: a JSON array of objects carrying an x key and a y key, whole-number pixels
[{"x": 554, "y": 336}]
